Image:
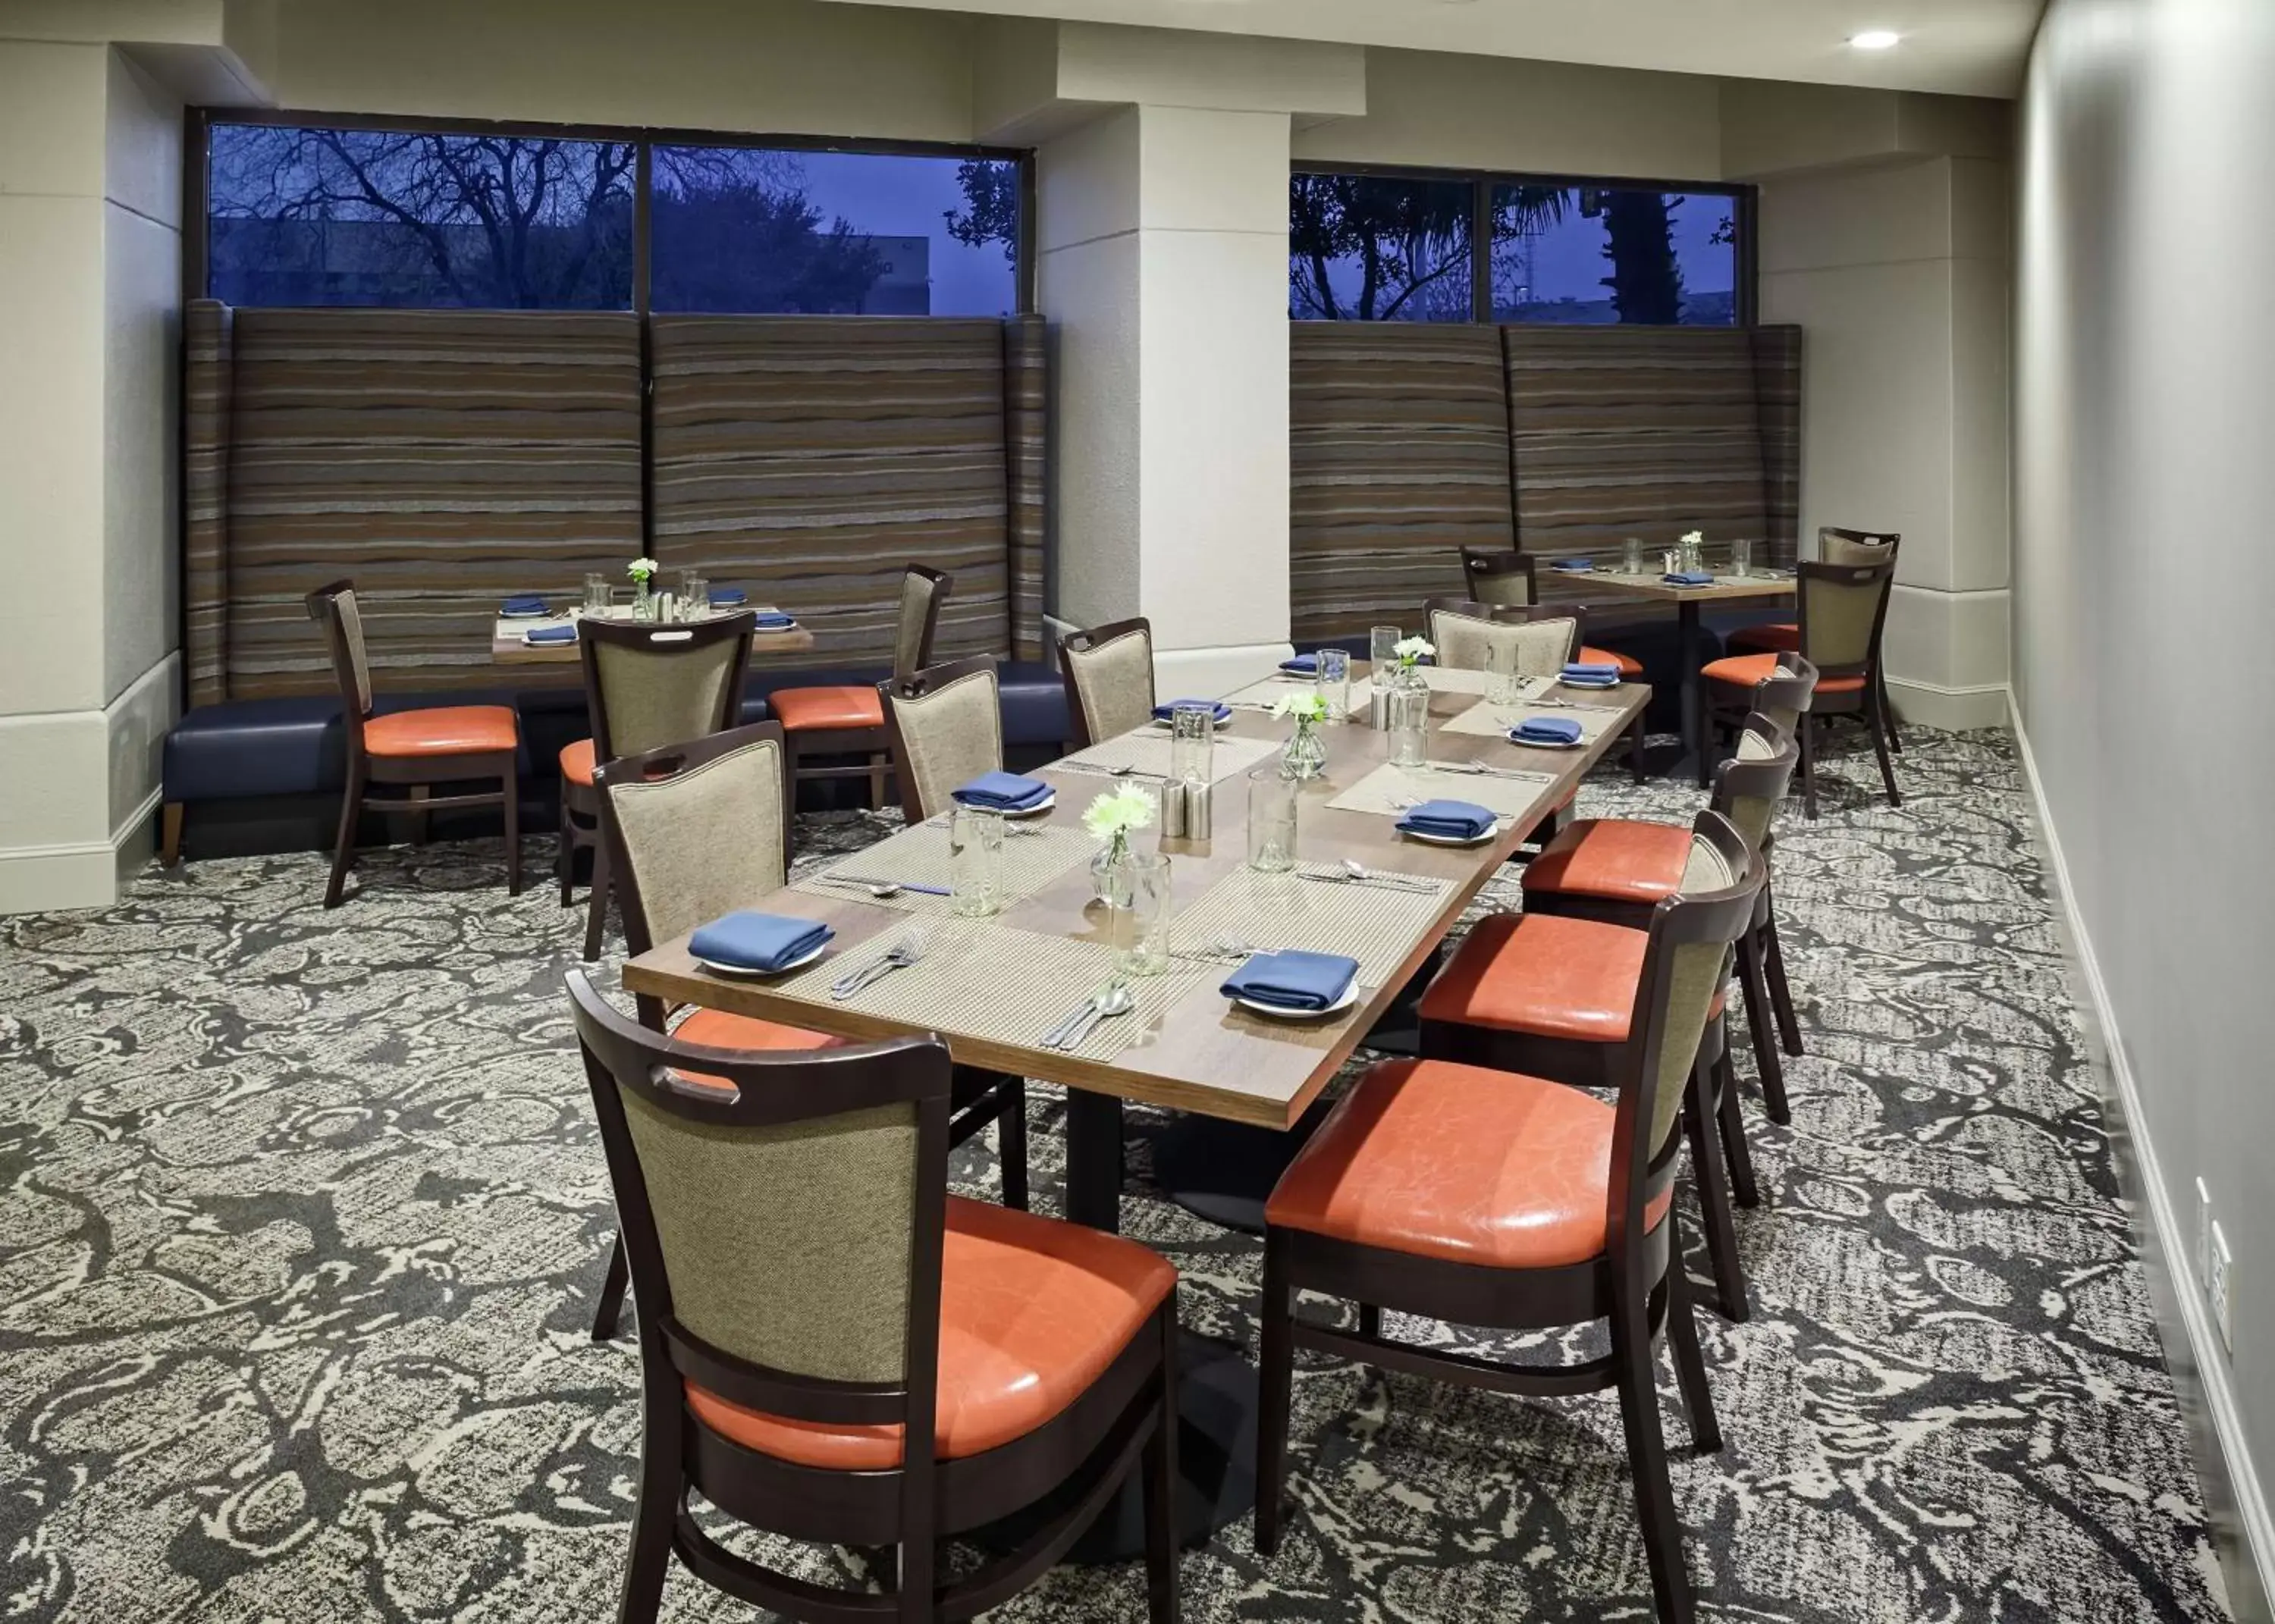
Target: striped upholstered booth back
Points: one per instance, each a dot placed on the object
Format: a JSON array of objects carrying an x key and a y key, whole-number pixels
[{"x": 447, "y": 458}]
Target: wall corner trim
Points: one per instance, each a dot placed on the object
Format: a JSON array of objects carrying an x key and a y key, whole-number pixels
[{"x": 2213, "y": 1375}]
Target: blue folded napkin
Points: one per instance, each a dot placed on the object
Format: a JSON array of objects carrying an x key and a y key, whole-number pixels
[
  {"x": 1302, "y": 665},
  {"x": 1292, "y": 979},
  {"x": 523, "y": 603},
  {"x": 550, "y": 634},
  {"x": 1546, "y": 730},
  {"x": 1223, "y": 711},
  {"x": 1575, "y": 565},
  {"x": 754, "y": 940},
  {"x": 1448, "y": 820},
  {"x": 1589, "y": 671},
  {"x": 1002, "y": 792},
  {"x": 1688, "y": 577},
  {"x": 776, "y": 621},
  {"x": 729, "y": 597}
]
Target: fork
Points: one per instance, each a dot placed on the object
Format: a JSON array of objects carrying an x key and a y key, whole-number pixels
[{"x": 907, "y": 951}]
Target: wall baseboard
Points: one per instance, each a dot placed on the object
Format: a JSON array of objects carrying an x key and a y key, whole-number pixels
[
  {"x": 1958, "y": 710},
  {"x": 84, "y": 874},
  {"x": 2208, "y": 1363}
]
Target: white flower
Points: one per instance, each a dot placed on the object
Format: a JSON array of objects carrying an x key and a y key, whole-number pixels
[
  {"x": 1118, "y": 812},
  {"x": 1411, "y": 649},
  {"x": 1694, "y": 537},
  {"x": 1307, "y": 704},
  {"x": 642, "y": 569}
]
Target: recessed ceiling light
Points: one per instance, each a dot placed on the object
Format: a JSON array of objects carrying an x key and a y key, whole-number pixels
[{"x": 1875, "y": 39}]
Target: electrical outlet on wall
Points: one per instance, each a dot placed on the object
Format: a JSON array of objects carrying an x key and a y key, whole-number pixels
[
  {"x": 2219, "y": 1286},
  {"x": 2203, "y": 1235}
]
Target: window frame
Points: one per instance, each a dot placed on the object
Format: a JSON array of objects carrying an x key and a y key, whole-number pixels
[
  {"x": 1746, "y": 304},
  {"x": 645, "y": 138}
]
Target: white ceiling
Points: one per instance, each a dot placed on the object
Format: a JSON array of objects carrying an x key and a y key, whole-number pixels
[{"x": 1960, "y": 46}]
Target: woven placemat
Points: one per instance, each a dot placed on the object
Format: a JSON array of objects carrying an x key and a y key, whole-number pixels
[
  {"x": 1390, "y": 790},
  {"x": 1263, "y": 695},
  {"x": 979, "y": 979},
  {"x": 1032, "y": 860},
  {"x": 1145, "y": 752},
  {"x": 1495, "y": 720},
  {"x": 1374, "y": 925}
]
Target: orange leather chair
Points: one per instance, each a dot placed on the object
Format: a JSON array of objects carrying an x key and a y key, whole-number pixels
[
  {"x": 845, "y": 721},
  {"x": 416, "y": 749}
]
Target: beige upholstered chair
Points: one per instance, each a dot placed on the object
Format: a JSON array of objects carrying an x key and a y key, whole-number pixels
[
  {"x": 645, "y": 686},
  {"x": 1108, "y": 673},
  {"x": 1464, "y": 631},
  {"x": 849, "y": 719},
  {"x": 1834, "y": 546},
  {"x": 946, "y": 725}
]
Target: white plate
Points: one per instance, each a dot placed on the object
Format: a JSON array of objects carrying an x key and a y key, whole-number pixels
[
  {"x": 1350, "y": 997},
  {"x": 1449, "y": 839},
  {"x": 525, "y": 614},
  {"x": 745, "y": 974},
  {"x": 1527, "y": 743},
  {"x": 1036, "y": 811},
  {"x": 548, "y": 642},
  {"x": 764, "y": 631},
  {"x": 1586, "y": 682},
  {"x": 1224, "y": 720}
]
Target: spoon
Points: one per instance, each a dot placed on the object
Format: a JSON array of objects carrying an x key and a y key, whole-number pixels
[
  {"x": 888, "y": 888},
  {"x": 1116, "y": 999}
]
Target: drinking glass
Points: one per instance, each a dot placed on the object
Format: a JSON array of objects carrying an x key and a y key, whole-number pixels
[
  {"x": 1192, "y": 744},
  {"x": 1335, "y": 683},
  {"x": 1141, "y": 917},
  {"x": 1631, "y": 556},
  {"x": 1503, "y": 685},
  {"x": 1271, "y": 798},
  {"x": 1410, "y": 726},
  {"x": 1381, "y": 648},
  {"x": 1742, "y": 556},
  {"x": 597, "y": 593},
  {"x": 694, "y": 597},
  {"x": 975, "y": 862},
  {"x": 1693, "y": 557}
]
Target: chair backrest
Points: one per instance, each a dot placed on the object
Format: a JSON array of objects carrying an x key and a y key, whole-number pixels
[
  {"x": 1786, "y": 694},
  {"x": 923, "y": 591},
  {"x": 1836, "y": 546},
  {"x": 946, "y": 725},
  {"x": 1842, "y": 607},
  {"x": 333, "y": 607},
  {"x": 1500, "y": 577},
  {"x": 1108, "y": 673},
  {"x": 1463, "y": 630},
  {"x": 695, "y": 830},
  {"x": 782, "y": 1220},
  {"x": 1686, "y": 961},
  {"x": 1751, "y": 785},
  {"x": 647, "y": 685}
]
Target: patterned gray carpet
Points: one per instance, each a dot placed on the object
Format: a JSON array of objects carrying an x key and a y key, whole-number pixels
[{"x": 300, "y": 1213}]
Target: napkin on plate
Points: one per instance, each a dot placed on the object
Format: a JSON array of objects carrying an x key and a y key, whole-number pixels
[
  {"x": 754, "y": 940},
  {"x": 523, "y": 603},
  {"x": 1293, "y": 979},
  {"x": 1302, "y": 665},
  {"x": 1575, "y": 566},
  {"x": 729, "y": 597},
  {"x": 776, "y": 621},
  {"x": 1688, "y": 577},
  {"x": 1223, "y": 711},
  {"x": 1546, "y": 730},
  {"x": 550, "y": 634},
  {"x": 1002, "y": 792},
  {"x": 1448, "y": 820},
  {"x": 1589, "y": 671}
]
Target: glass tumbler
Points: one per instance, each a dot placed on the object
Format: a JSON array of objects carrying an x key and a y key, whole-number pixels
[
  {"x": 694, "y": 597},
  {"x": 598, "y": 594},
  {"x": 1631, "y": 556},
  {"x": 1192, "y": 744},
  {"x": 1335, "y": 683},
  {"x": 1503, "y": 685},
  {"x": 1381, "y": 648},
  {"x": 1271, "y": 798},
  {"x": 975, "y": 862},
  {"x": 1141, "y": 917},
  {"x": 1410, "y": 726},
  {"x": 1742, "y": 556}
]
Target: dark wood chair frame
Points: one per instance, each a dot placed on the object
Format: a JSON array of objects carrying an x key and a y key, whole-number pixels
[
  {"x": 1082, "y": 642},
  {"x": 1126, "y": 1420},
  {"x": 1792, "y": 687},
  {"x": 1492, "y": 564},
  {"x": 1512, "y": 614},
  {"x": 869, "y": 742},
  {"x": 1636, "y": 1284},
  {"x": 418, "y": 775},
  {"x": 580, "y": 809},
  {"x": 977, "y": 1098},
  {"x": 1864, "y": 704},
  {"x": 1722, "y": 1162},
  {"x": 1889, "y": 541}
]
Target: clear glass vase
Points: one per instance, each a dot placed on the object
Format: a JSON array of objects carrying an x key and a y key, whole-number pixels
[
  {"x": 1102, "y": 866},
  {"x": 643, "y": 601},
  {"x": 1306, "y": 755}
]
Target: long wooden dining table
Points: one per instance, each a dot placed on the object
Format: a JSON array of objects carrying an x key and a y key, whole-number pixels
[{"x": 1187, "y": 1047}]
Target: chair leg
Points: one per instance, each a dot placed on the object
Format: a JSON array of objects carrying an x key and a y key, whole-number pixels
[
  {"x": 350, "y": 812},
  {"x": 649, "y": 1562},
  {"x": 612, "y": 1293},
  {"x": 1160, "y": 1494},
  {"x": 1276, "y": 1371},
  {"x": 1808, "y": 767},
  {"x": 1011, "y": 1142},
  {"x": 880, "y": 765},
  {"x": 564, "y": 848},
  {"x": 1876, "y": 724},
  {"x": 1699, "y": 1124},
  {"x": 1888, "y": 710},
  {"x": 1690, "y": 1358},
  {"x": 420, "y": 829},
  {"x": 1634, "y": 1369},
  {"x": 1370, "y": 1319},
  {"x": 512, "y": 832},
  {"x": 596, "y": 908},
  {"x": 1737, "y": 1154},
  {"x": 1636, "y": 749},
  {"x": 1760, "y": 1026},
  {"x": 1781, "y": 994},
  {"x": 170, "y": 835}
]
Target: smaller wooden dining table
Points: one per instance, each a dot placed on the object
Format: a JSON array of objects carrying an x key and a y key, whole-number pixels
[{"x": 507, "y": 646}]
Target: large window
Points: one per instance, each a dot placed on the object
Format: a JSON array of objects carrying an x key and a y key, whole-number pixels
[
  {"x": 1395, "y": 246},
  {"x": 327, "y": 214}
]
